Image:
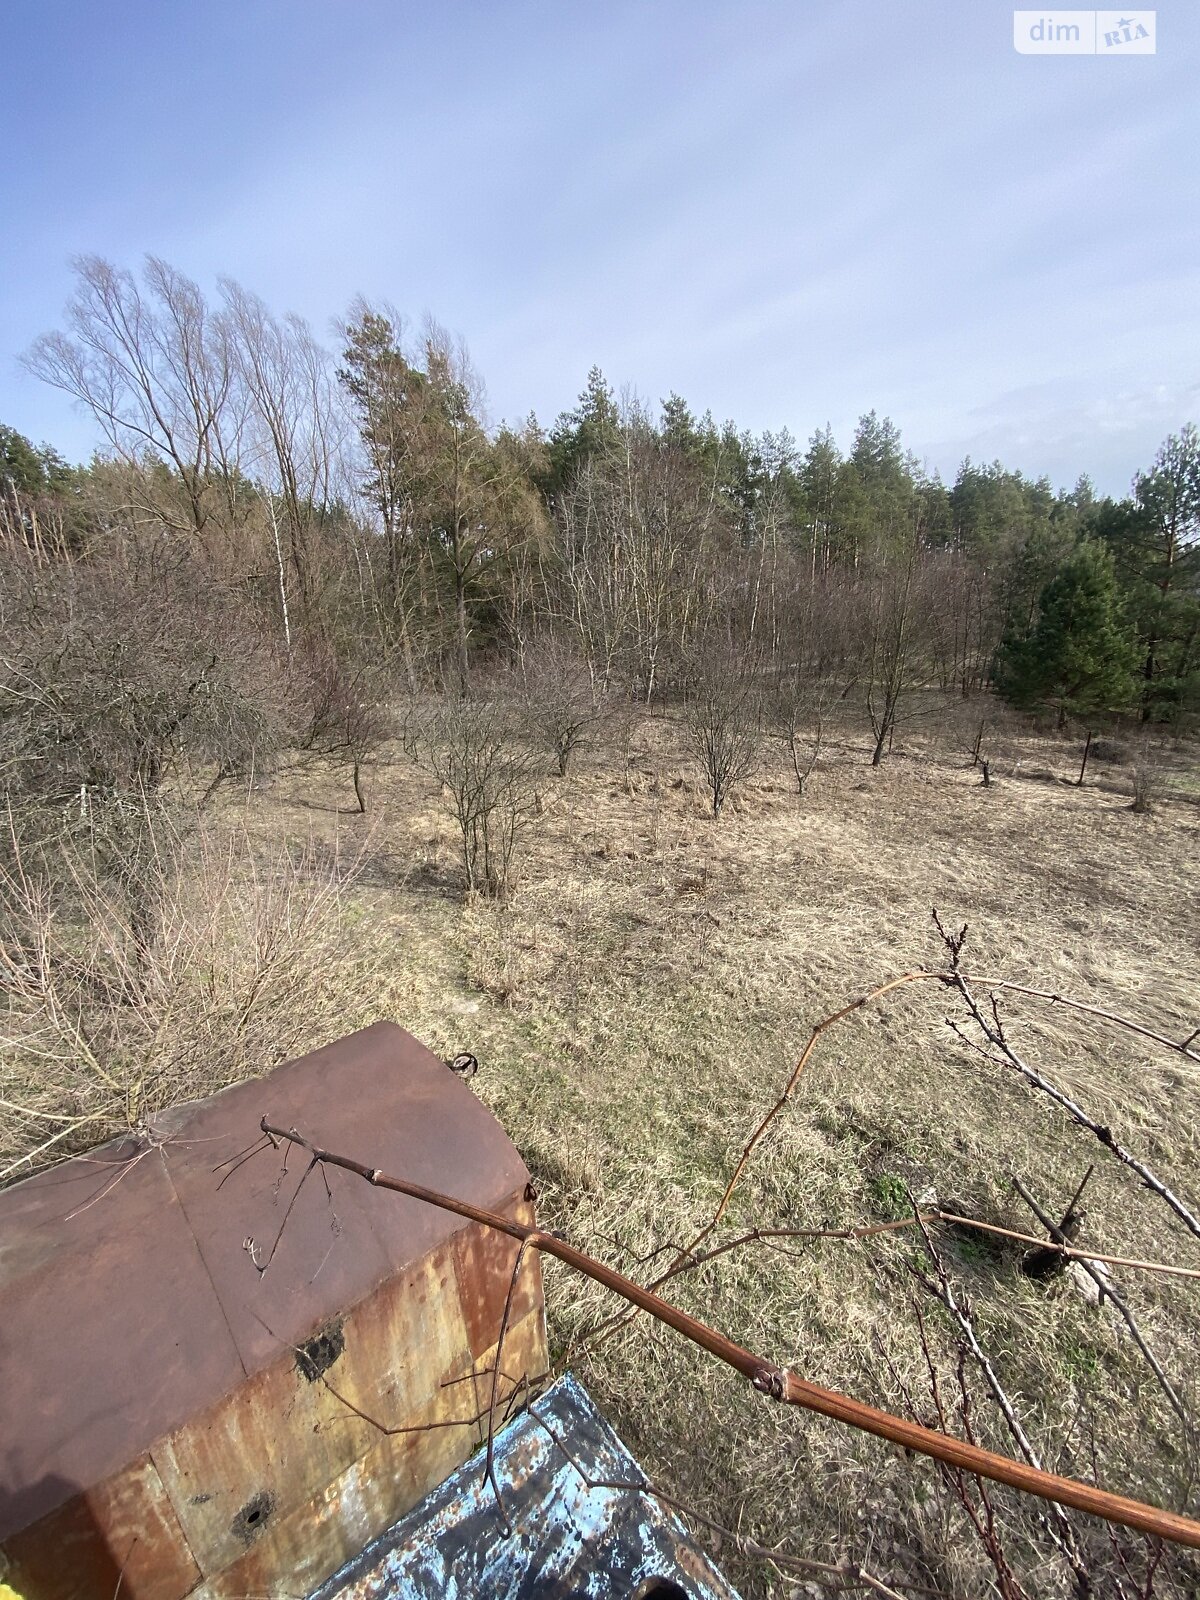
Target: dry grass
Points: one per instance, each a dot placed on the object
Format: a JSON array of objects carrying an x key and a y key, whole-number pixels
[
  {"x": 100, "y": 1030},
  {"x": 643, "y": 995},
  {"x": 640, "y": 1000}
]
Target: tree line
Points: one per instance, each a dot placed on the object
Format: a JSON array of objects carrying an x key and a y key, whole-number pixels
[{"x": 276, "y": 539}]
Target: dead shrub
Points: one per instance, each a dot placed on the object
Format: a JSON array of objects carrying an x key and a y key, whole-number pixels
[
  {"x": 562, "y": 705},
  {"x": 800, "y": 709},
  {"x": 347, "y": 710},
  {"x": 100, "y": 1028},
  {"x": 120, "y": 674},
  {"x": 1110, "y": 751},
  {"x": 1147, "y": 781}
]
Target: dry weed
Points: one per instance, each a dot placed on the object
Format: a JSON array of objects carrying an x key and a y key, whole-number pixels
[{"x": 102, "y": 1027}]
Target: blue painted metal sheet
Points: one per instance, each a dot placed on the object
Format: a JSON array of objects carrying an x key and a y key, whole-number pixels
[{"x": 567, "y": 1539}]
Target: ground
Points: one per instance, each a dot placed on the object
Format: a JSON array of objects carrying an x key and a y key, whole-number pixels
[{"x": 641, "y": 999}]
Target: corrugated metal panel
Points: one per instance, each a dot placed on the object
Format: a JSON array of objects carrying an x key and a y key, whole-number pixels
[{"x": 568, "y": 1540}]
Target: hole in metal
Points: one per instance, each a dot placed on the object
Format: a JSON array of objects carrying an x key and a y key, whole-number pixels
[
  {"x": 251, "y": 1519},
  {"x": 320, "y": 1352}
]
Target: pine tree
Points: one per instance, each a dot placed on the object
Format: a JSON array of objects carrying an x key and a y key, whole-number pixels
[
  {"x": 593, "y": 428},
  {"x": 1079, "y": 656},
  {"x": 1155, "y": 540}
]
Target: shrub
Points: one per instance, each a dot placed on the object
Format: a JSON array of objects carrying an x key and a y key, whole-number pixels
[
  {"x": 475, "y": 750},
  {"x": 562, "y": 707},
  {"x": 1147, "y": 781},
  {"x": 346, "y": 705},
  {"x": 721, "y": 720},
  {"x": 1111, "y": 751},
  {"x": 118, "y": 674},
  {"x": 102, "y": 1028}
]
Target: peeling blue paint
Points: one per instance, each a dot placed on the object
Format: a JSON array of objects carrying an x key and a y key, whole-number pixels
[{"x": 567, "y": 1539}]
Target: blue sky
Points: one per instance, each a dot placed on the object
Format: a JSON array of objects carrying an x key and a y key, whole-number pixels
[{"x": 788, "y": 212}]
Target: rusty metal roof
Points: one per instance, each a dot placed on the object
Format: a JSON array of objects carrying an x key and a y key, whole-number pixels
[
  {"x": 570, "y": 1541},
  {"x": 128, "y": 1279}
]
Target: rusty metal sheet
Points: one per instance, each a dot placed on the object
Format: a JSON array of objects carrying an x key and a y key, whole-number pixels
[
  {"x": 524, "y": 1357},
  {"x": 109, "y": 1336},
  {"x": 274, "y": 1444},
  {"x": 379, "y": 1095},
  {"x": 296, "y": 1552},
  {"x": 571, "y": 1542},
  {"x": 120, "y": 1538},
  {"x": 135, "y": 1307},
  {"x": 485, "y": 1262}
]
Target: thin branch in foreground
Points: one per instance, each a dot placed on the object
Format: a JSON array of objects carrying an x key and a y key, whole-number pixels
[
  {"x": 1105, "y": 1287},
  {"x": 780, "y": 1383},
  {"x": 1180, "y": 1046},
  {"x": 789, "y": 1087},
  {"x": 489, "y": 1469},
  {"x": 1057, "y": 1527},
  {"x": 954, "y": 978},
  {"x": 992, "y": 1029},
  {"x": 772, "y": 1238},
  {"x": 1167, "y": 1269},
  {"x": 981, "y": 1515}
]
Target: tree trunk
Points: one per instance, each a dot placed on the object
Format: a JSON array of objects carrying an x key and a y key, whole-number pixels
[
  {"x": 460, "y": 618},
  {"x": 1083, "y": 765}
]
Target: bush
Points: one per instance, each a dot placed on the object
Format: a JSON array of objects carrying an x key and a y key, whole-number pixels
[
  {"x": 562, "y": 707},
  {"x": 346, "y": 706},
  {"x": 118, "y": 674},
  {"x": 1111, "y": 751},
  {"x": 1147, "y": 781},
  {"x": 475, "y": 749},
  {"x": 721, "y": 720},
  {"x": 102, "y": 1028}
]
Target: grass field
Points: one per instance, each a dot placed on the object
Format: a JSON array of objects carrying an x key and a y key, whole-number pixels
[{"x": 640, "y": 1000}]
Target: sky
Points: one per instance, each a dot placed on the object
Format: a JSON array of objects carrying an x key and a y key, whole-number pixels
[{"x": 788, "y": 212}]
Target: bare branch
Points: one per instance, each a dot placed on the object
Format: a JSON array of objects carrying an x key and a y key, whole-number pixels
[
  {"x": 1104, "y": 1285},
  {"x": 777, "y": 1382}
]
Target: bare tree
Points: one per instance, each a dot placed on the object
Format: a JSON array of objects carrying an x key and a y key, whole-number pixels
[
  {"x": 640, "y": 531},
  {"x": 895, "y": 610},
  {"x": 799, "y": 711},
  {"x": 722, "y": 718},
  {"x": 1147, "y": 777},
  {"x": 292, "y": 425},
  {"x": 475, "y": 750},
  {"x": 116, "y": 674},
  {"x": 153, "y": 366}
]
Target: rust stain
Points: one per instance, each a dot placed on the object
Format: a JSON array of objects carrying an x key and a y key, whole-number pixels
[
  {"x": 484, "y": 1260},
  {"x": 123, "y": 1534}
]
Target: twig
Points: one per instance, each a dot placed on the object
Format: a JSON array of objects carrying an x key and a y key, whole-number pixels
[
  {"x": 981, "y": 1517},
  {"x": 1057, "y": 1527},
  {"x": 993, "y": 1032},
  {"x": 789, "y": 1087},
  {"x": 1072, "y": 1253},
  {"x": 778, "y": 1382},
  {"x": 489, "y": 1469},
  {"x": 1105, "y": 1287},
  {"x": 1180, "y": 1046}
]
